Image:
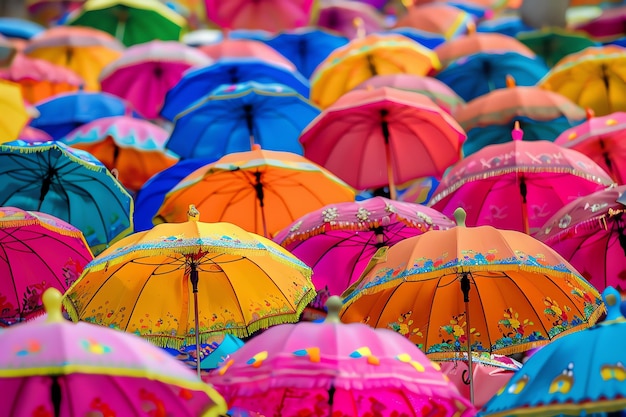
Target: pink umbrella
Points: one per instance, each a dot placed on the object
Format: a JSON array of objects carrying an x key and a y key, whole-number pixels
[
  {"x": 338, "y": 240},
  {"x": 269, "y": 15},
  {"x": 436, "y": 90},
  {"x": 589, "y": 233},
  {"x": 245, "y": 48},
  {"x": 602, "y": 139},
  {"x": 56, "y": 368},
  {"x": 350, "y": 18},
  {"x": 517, "y": 185},
  {"x": 336, "y": 369},
  {"x": 32, "y": 134},
  {"x": 146, "y": 72}
]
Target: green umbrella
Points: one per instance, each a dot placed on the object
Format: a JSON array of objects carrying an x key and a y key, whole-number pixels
[
  {"x": 554, "y": 43},
  {"x": 131, "y": 21}
]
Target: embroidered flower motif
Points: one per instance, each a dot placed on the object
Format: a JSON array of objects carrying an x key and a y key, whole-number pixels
[
  {"x": 595, "y": 207},
  {"x": 389, "y": 208},
  {"x": 404, "y": 326},
  {"x": 329, "y": 214},
  {"x": 296, "y": 226},
  {"x": 425, "y": 218},
  {"x": 362, "y": 214},
  {"x": 514, "y": 327},
  {"x": 565, "y": 221}
]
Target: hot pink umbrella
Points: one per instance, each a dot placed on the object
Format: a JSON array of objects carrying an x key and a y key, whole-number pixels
[
  {"x": 335, "y": 369},
  {"x": 602, "y": 139},
  {"x": 56, "y": 368},
  {"x": 338, "y": 240},
  {"x": 517, "y": 185},
  {"x": 269, "y": 15},
  {"x": 38, "y": 251},
  {"x": 147, "y": 71},
  {"x": 245, "y": 48},
  {"x": 350, "y": 18},
  {"x": 590, "y": 233}
]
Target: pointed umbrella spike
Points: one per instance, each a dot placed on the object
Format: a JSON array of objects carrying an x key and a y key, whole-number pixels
[
  {"x": 510, "y": 81},
  {"x": 52, "y": 304},
  {"x": 589, "y": 113},
  {"x": 333, "y": 305},
  {"x": 459, "y": 216}
]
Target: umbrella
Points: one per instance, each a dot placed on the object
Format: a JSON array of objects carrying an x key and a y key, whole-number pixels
[
  {"x": 180, "y": 283},
  {"x": 428, "y": 39},
  {"x": 14, "y": 116},
  {"x": 600, "y": 138},
  {"x": 62, "y": 113},
  {"x": 307, "y": 47},
  {"x": 473, "y": 289},
  {"x": 349, "y": 18},
  {"x": 39, "y": 251},
  {"x": 363, "y": 58},
  {"x": 84, "y": 50},
  {"x": 49, "y": 13},
  {"x": 197, "y": 83},
  {"x": 579, "y": 374},
  {"x": 8, "y": 50},
  {"x": 199, "y": 37},
  {"x": 419, "y": 191},
  {"x": 272, "y": 15},
  {"x": 212, "y": 355},
  {"x": 18, "y": 28},
  {"x": 391, "y": 128},
  {"x": 438, "y": 92},
  {"x": 606, "y": 26},
  {"x": 262, "y": 191},
  {"x": 335, "y": 369},
  {"x": 40, "y": 79},
  {"x": 32, "y": 134},
  {"x": 555, "y": 43},
  {"x": 134, "y": 147},
  {"x": 60, "y": 369},
  {"x": 589, "y": 233},
  {"x": 592, "y": 78},
  {"x": 439, "y": 18},
  {"x": 130, "y": 21},
  {"x": 69, "y": 184},
  {"x": 510, "y": 25},
  {"x": 245, "y": 48},
  {"x": 146, "y": 72},
  {"x": 543, "y": 115},
  {"x": 517, "y": 185},
  {"x": 337, "y": 241},
  {"x": 232, "y": 118}
]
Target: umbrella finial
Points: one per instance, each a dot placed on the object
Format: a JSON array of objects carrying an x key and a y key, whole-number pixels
[
  {"x": 52, "y": 304},
  {"x": 333, "y": 305},
  {"x": 193, "y": 215},
  {"x": 612, "y": 301},
  {"x": 256, "y": 147},
  {"x": 459, "y": 216},
  {"x": 590, "y": 113},
  {"x": 359, "y": 24},
  {"x": 471, "y": 27},
  {"x": 517, "y": 133},
  {"x": 510, "y": 81}
]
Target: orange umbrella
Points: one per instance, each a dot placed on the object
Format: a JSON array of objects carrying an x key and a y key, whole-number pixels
[
  {"x": 443, "y": 19},
  {"x": 84, "y": 50},
  {"x": 245, "y": 48},
  {"x": 473, "y": 288},
  {"x": 261, "y": 191}
]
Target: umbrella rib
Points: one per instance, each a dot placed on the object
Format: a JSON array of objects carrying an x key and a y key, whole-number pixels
[
  {"x": 430, "y": 313},
  {"x": 396, "y": 288},
  {"x": 275, "y": 284},
  {"x": 484, "y": 317},
  {"x": 18, "y": 397},
  {"x": 6, "y": 254},
  {"x": 243, "y": 317},
  {"x": 122, "y": 390}
]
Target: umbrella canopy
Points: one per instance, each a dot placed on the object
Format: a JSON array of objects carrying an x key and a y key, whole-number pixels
[
  {"x": 553, "y": 44},
  {"x": 18, "y": 28},
  {"x": 272, "y": 15},
  {"x": 197, "y": 83},
  {"x": 439, "y": 18},
  {"x": 14, "y": 115},
  {"x": 84, "y": 50},
  {"x": 261, "y": 191},
  {"x": 589, "y": 233},
  {"x": 8, "y": 50},
  {"x": 69, "y": 184},
  {"x": 134, "y": 147},
  {"x": 390, "y": 128},
  {"x": 510, "y": 25},
  {"x": 607, "y": 26},
  {"x": 32, "y": 134},
  {"x": 232, "y": 118},
  {"x": 146, "y": 72},
  {"x": 130, "y": 21},
  {"x": 517, "y": 185},
  {"x": 332, "y": 368},
  {"x": 428, "y": 39},
  {"x": 62, "y": 113},
  {"x": 62, "y": 369},
  {"x": 338, "y": 240},
  {"x": 245, "y": 48},
  {"x": 49, "y": 13},
  {"x": 542, "y": 114},
  {"x": 349, "y": 18},
  {"x": 39, "y": 252},
  {"x": 363, "y": 58},
  {"x": 581, "y": 373}
]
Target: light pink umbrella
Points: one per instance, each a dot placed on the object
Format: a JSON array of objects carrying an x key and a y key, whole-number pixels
[
  {"x": 336, "y": 369},
  {"x": 146, "y": 72},
  {"x": 245, "y": 48},
  {"x": 32, "y": 134},
  {"x": 350, "y": 18}
]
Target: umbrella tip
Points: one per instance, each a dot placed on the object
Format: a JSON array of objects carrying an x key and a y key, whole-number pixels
[
  {"x": 333, "y": 305},
  {"x": 612, "y": 301},
  {"x": 590, "y": 113},
  {"x": 193, "y": 215},
  {"x": 459, "y": 216},
  {"x": 517, "y": 133},
  {"x": 52, "y": 304},
  {"x": 510, "y": 81},
  {"x": 256, "y": 147}
]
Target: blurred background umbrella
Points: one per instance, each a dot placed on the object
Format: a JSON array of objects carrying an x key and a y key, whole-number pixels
[
  {"x": 245, "y": 48},
  {"x": 13, "y": 116},
  {"x": 510, "y": 25},
  {"x": 130, "y": 21},
  {"x": 233, "y": 118},
  {"x": 428, "y": 39},
  {"x": 7, "y": 51},
  {"x": 261, "y": 191},
  {"x": 443, "y": 19},
  {"x": 69, "y": 184},
  {"x": 553, "y": 44},
  {"x": 349, "y": 18},
  {"x": 18, "y": 28},
  {"x": 39, "y": 251},
  {"x": 607, "y": 26},
  {"x": 50, "y": 13}
]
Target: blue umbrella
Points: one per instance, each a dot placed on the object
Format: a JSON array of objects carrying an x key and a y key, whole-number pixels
[
  {"x": 508, "y": 25},
  {"x": 69, "y": 184},
  {"x": 306, "y": 47},
  {"x": 477, "y": 74},
  {"x": 578, "y": 374},
  {"x": 13, "y": 27},
  {"x": 62, "y": 113},
  {"x": 428, "y": 39},
  {"x": 197, "y": 83},
  {"x": 150, "y": 197},
  {"x": 234, "y": 117},
  {"x": 212, "y": 353}
]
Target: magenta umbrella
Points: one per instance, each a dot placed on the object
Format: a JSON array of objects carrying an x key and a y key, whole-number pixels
[
  {"x": 350, "y": 18},
  {"x": 335, "y": 369},
  {"x": 146, "y": 72},
  {"x": 56, "y": 368},
  {"x": 338, "y": 240},
  {"x": 269, "y": 15},
  {"x": 589, "y": 232}
]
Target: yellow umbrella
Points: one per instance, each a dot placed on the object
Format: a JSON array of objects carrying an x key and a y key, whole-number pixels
[
  {"x": 183, "y": 282},
  {"x": 365, "y": 57},
  {"x": 13, "y": 113}
]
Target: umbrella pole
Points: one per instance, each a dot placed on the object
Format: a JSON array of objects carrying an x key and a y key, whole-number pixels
[
  {"x": 249, "y": 124},
  {"x": 56, "y": 395},
  {"x": 523, "y": 189},
  {"x": 260, "y": 195},
  {"x": 390, "y": 176},
  {"x": 465, "y": 288},
  {"x": 193, "y": 276}
]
